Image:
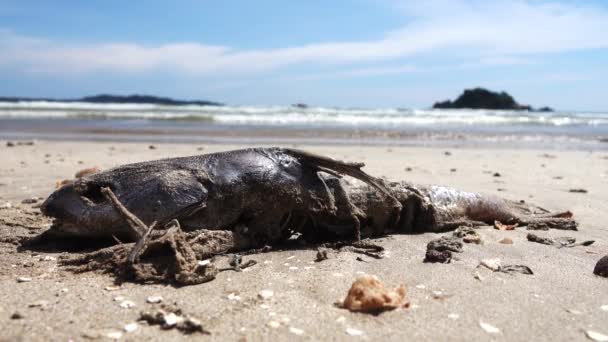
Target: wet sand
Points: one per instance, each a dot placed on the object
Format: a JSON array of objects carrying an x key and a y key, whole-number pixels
[{"x": 559, "y": 302}]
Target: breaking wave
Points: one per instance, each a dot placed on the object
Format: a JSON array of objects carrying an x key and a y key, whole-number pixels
[{"x": 292, "y": 116}]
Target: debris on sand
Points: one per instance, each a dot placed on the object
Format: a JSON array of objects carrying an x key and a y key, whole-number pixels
[
  {"x": 601, "y": 268},
  {"x": 523, "y": 269},
  {"x": 17, "y": 315},
  {"x": 172, "y": 318},
  {"x": 154, "y": 299},
  {"x": 506, "y": 241},
  {"x": 501, "y": 226},
  {"x": 578, "y": 191},
  {"x": 444, "y": 257},
  {"x": 596, "y": 336},
  {"x": 563, "y": 241},
  {"x": 468, "y": 235},
  {"x": 87, "y": 172},
  {"x": 495, "y": 265},
  {"x": 23, "y": 279},
  {"x": 440, "y": 250},
  {"x": 368, "y": 294},
  {"x": 321, "y": 254},
  {"x": 354, "y": 332},
  {"x": 492, "y": 264},
  {"x": 490, "y": 329},
  {"x": 31, "y": 200},
  {"x": 265, "y": 294}
]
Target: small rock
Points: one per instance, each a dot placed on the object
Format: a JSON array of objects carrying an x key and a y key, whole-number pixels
[
  {"x": 265, "y": 294},
  {"x": 447, "y": 153},
  {"x": 453, "y": 316},
  {"x": 596, "y": 336},
  {"x": 119, "y": 298},
  {"x": 114, "y": 335},
  {"x": 47, "y": 258},
  {"x": 10, "y": 144},
  {"x": 24, "y": 279},
  {"x": 31, "y": 200},
  {"x": 341, "y": 319},
  {"x": 6, "y": 205},
  {"x": 233, "y": 296},
  {"x": 490, "y": 329},
  {"x": 296, "y": 331},
  {"x": 273, "y": 324},
  {"x": 171, "y": 319},
  {"x": 131, "y": 327},
  {"x": 604, "y": 307},
  {"x": 354, "y": 332},
  {"x": 203, "y": 262},
  {"x": 154, "y": 299},
  {"x": 493, "y": 264},
  {"x": 601, "y": 268},
  {"x": 112, "y": 288},
  {"x": 17, "y": 315},
  {"x": 574, "y": 312},
  {"x": 127, "y": 304},
  {"x": 152, "y": 147},
  {"x": 408, "y": 169},
  {"x": 496, "y": 174},
  {"x": 506, "y": 241}
]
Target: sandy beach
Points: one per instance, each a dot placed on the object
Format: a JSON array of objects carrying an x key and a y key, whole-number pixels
[{"x": 561, "y": 301}]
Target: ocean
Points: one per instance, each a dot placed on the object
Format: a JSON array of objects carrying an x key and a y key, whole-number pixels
[{"x": 292, "y": 125}]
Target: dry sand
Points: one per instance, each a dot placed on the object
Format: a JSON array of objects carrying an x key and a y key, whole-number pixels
[{"x": 559, "y": 302}]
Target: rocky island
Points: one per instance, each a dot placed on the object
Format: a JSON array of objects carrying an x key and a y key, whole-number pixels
[
  {"x": 122, "y": 99},
  {"x": 480, "y": 98}
]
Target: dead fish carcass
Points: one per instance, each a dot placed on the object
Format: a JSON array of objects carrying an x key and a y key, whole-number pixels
[{"x": 266, "y": 195}]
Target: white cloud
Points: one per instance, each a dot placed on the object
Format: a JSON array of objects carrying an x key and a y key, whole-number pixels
[{"x": 493, "y": 32}]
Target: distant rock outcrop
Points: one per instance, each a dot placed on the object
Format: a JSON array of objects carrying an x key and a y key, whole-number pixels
[
  {"x": 480, "y": 98},
  {"x": 107, "y": 98}
]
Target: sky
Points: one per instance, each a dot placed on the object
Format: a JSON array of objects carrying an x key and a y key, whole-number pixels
[{"x": 350, "y": 53}]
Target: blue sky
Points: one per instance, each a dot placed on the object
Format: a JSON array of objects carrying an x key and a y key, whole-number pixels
[{"x": 366, "y": 53}]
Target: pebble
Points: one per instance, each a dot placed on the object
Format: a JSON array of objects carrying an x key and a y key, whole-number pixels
[
  {"x": 453, "y": 316},
  {"x": 114, "y": 335},
  {"x": 490, "y": 329},
  {"x": 127, "y": 304},
  {"x": 574, "y": 312},
  {"x": 293, "y": 268},
  {"x": 273, "y": 324},
  {"x": 119, "y": 298},
  {"x": 596, "y": 336},
  {"x": 154, "y": 299},
  {"x": 17, "y": 315},
  {"x": 171, "y": 319},
  {"x": 131, "y": 327},
  {"x": 265, "y": 306},
  {"x": 233, "y": 296},
  {"x": 39, "y": 304},
  {"x": 47, "y": 258},
  {"x": 203, "y": 262},
  {"x": 31, "y": 200},
  {"x": 420, "y": 286},
  {"x": 24, "y": 280},
  {"x": 341, "y": 319},
  {"x": 604, "y": 307},
  {"x": 493, "y": 264},
  {"x": 296, "y": 331},
  {"x": 506, "y": 241},
  {"x": 354, "y": 332},
  {"x": 112, "y": 288},
  {"x": 265, "y": 294}
]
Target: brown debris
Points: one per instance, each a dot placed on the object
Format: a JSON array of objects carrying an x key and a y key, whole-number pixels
[
  {"x": 168, "y": 317},
  {"x": 579, "y": 191},
  {"x": 368, "y": 294},
  {"x": 87, "y": 172},
  {"x": 501, "y": 226}
]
